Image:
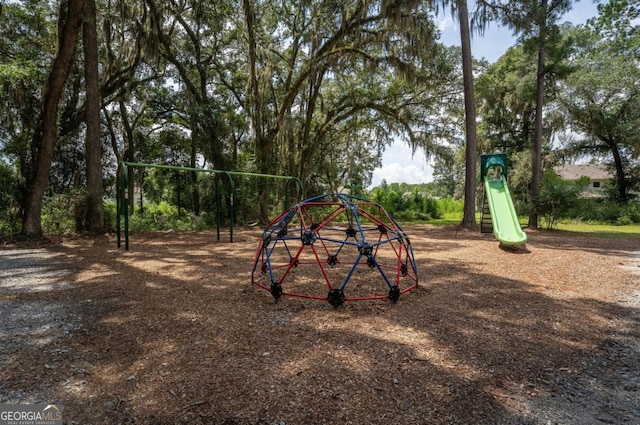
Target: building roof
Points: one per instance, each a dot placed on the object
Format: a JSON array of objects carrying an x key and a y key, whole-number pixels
[{"x": 574, "y": 172}]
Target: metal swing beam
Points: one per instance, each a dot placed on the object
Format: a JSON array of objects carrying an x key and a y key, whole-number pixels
[{"x": 122, "y": 193}]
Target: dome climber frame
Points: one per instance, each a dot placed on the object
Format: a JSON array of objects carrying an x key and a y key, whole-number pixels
[{"x": 326, "y": 244}]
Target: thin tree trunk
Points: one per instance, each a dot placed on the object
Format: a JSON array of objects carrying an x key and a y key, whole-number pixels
[
  {"x": 93, "y": 145},
  {"x": 621, "y": 184},
  {"x": 129, "y": 148},
  {"x": 263, "y": 140},
  {"x": 536, "y": 156},
  {"x": 469, "y": 217},
  {"x": 116, "y": 152},
  {"x": 44, "y": 139},
  {"x": 193, "y": 175}
]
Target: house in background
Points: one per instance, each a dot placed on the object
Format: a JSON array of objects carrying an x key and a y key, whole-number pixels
[{"x": 598, "y": 174}]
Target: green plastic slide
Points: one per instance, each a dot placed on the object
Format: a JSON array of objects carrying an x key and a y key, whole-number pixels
[{"x": 506, "y": 227}]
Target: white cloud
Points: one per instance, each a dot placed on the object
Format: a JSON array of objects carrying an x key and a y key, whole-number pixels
[
  {"x": 446, "y": 23},
  {"x": 399, "y": 166}
]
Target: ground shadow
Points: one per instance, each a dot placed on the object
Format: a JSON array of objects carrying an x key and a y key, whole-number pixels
[{"x": 173, "y": 332}]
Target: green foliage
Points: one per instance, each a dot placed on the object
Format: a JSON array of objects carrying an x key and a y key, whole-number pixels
[
  {"x": 591, "y": 210},
  {"x": 330, "y": 93},
  {"x": 165, "y": 216},
  {"x": 56, "y": 217},
  {"x": 64, "y": 213},
  {"x": 600, "y": 102},
  {"x": 27, "y": 42},
  {"x": 61, "y": 212},
  {"x": 448, "y": 206},
  {"x": 618, "y": 20},
  {"x": 110, "y": 215},
  {"x": 505, "y": 94},
  {"x": 9, "y": 210},
  {"x": 557, "y": 196},
  {"x": 448, "y": 176},
  {"x": 407, "y": 202}
]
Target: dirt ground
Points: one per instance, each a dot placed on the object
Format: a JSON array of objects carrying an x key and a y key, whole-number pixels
[{"x": 173, "y": 332}]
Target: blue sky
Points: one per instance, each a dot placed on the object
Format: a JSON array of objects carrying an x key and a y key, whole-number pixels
[{"x": 398, "y": 165}]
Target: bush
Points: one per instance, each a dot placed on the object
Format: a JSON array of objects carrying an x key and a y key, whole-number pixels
[
  {"x": 165, "y": 216},
  {"x": 57, "y": 213},
  {"x": 412, "y": 202},
  {"x": 449, "y": 205},
  {"x": 604, "y": 211},
  {"x": 624, "y": 220},
  {"x": 9, "y": 209},
  {"x": 110, "y": 215},
  {"x": 557, "y": 196}
]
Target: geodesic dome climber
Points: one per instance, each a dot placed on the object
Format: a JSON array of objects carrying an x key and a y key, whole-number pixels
[{"x": 321, "y": 246}]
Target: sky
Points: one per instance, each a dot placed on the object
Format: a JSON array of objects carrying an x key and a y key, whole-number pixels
[{"x": 398, "y": 165}]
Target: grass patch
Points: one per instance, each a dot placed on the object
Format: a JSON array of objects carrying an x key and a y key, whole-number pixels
[
  {"x": 602, "y": 230},
  {"x": 449, "y": 218}
]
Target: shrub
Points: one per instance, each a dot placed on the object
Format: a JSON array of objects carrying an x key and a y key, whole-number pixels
[
  {"x": 110, "y": 215},
  {"x": 165, "y": 216},
  {"x": 624, "y": 220},
  {"x": 449, "y": 205},
  {"x": 557, "y": 196},
  {"x": 412, "y": 202},
  {"x": 9, "y": 210}
]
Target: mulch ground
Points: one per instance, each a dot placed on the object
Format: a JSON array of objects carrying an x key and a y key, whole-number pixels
[{"x": 173, "y": 332}]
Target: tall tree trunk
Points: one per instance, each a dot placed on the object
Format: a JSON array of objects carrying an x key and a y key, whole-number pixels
[
  {"x": 116, "y": 152},
  {"x": 178, "y": 192},
  {"x": 263, "y": 139},
  {"x": 193, "y": 175},
  {"x": 469, "y": 217},
  {"x": 536, "y": 156},
  {"x": 129, "y": 148},
  {"x": 621, "y": 184},
  {"x": 93, "y": 145},
  {"x": 44, "y": 139}
]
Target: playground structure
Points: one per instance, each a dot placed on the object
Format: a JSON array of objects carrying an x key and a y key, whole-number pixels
[
  {"x": 122, "y": 196},
  {"x": 318, "y": 247},
  {"x": 498, "y": 213}
]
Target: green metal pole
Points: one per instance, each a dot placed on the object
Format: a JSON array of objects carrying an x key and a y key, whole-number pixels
[
  {"x": 118, "y": 206},
  {"x": 232, "y": 191},
  {"x": 125, "y": 189},
  {"x": 218, "y": 206},
  {"x": 286, "y": 191},
  {"x": 231, "y": 173}
]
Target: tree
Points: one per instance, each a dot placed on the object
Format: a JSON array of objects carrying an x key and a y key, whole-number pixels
[
  {"x": 44, "y": 140},
  {"x": 131, "y": 69},
  {"x": 293, "y": 50},
  {"x": 360, "y": 113},
  {"x": 558, "y": 196},
  {"x": 480, "y": 19},
  {"x": 26, "y": 50},
  {"x": 506, "y": 98},
  {"x": 601, "y": 100},
  {"x": 93, "y": 141},
  {"x": 471, "y": 156},
  {"x": 332, "y": 84},
  {"x": 537, "y": 22},
  {"x": 449, "y": 178},
  {"x": 8, "y": 204},
  {"x": 191, "y": 36},
  {"x": 618, "y": 22}
]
